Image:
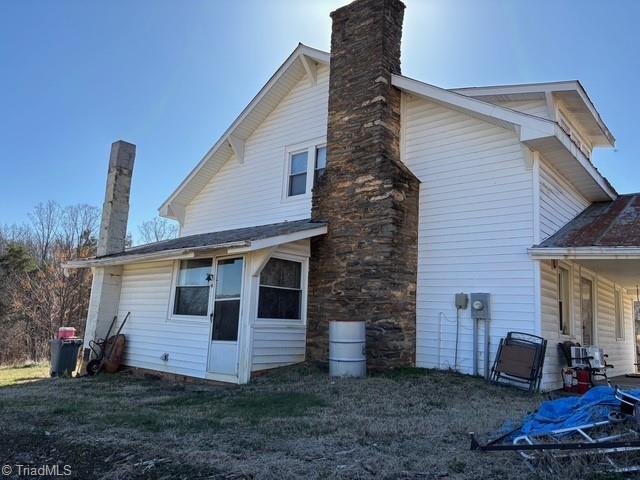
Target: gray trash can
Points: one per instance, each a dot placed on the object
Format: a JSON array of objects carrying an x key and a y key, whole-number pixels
[{"x": 64, "y": 356}]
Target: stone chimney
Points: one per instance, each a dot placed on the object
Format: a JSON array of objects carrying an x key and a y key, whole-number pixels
[
  {"x": 107, "y": 281},
  {"x": 115, "y": 210},
  {"x": 365, "y": 267}
]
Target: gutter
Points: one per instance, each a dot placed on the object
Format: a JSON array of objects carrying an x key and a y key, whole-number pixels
[{"x": 584, "y": 253}]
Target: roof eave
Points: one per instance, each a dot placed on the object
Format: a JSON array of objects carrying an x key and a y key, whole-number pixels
[
  {"x": 301, "y": 50},
  {"x": 584, "y": 253}
]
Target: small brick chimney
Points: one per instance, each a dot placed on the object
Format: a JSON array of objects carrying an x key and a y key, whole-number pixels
[
  {"x": 115, "y": 210},
  {"x": 365, "y": 267}
]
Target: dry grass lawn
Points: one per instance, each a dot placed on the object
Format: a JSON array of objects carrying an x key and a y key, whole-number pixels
[{"x": 295, "y": 423}]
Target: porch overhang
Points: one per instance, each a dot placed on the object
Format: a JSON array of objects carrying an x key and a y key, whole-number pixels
[
  {"x": 619, "y": 264},
  {"x": 240, "y": 240}
]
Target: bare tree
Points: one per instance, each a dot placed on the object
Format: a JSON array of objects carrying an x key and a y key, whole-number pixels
[
  {"x": 45, "y": 219},
  {"x": 157, "y": 229},
  {"x": 35, "y": 294}
]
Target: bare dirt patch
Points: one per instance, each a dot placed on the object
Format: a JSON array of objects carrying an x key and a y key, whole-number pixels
[{"x": 291, "y": 424}]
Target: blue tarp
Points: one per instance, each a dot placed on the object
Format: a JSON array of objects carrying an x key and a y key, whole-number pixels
[{"x": 593, "y": 406}]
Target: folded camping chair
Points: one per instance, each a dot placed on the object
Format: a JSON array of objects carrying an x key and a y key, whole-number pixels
[
  {"x": 565, "y": 349},
  {"x": 519, "y": 361}
]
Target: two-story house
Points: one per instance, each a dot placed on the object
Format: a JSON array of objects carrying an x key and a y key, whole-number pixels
[{"x": 347, "y": 191}]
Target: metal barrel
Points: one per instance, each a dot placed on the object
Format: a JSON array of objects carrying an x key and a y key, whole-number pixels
[{"x": 347, "y": 349}]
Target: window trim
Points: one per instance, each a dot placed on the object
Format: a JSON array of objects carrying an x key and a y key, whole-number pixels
[
  {"x": 303, "y": 293},
  {"x": 619, "y": 303},
  {"x": 173, "y": 317},
  {"x": 310, "y": 147},
  {"x": 570, "y": 291},
  {"x": 593, "y": 277}
]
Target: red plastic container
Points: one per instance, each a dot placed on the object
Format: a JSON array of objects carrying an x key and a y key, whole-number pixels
[{"x": 66, "y": 332}]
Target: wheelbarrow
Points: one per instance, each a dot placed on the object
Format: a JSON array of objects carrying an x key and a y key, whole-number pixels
[{"x": 108, "y": 351}]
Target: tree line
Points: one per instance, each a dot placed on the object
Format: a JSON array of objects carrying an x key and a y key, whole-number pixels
[{"x": 37, "y": 296}]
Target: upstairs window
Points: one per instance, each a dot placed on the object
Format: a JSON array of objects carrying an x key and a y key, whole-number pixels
[
  {"x": 321, "y": 163},
  {"x": 305, "y": 164},
  {"x": 191, "y": 296},
  {"x": 298, "y": 173},
  {"x": 280, "y": 294}
]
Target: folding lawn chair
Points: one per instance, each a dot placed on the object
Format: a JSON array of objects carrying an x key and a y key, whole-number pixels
[{"x": 519, "y": 361}]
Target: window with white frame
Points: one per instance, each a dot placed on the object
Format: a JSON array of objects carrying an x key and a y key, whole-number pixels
[
  {"x": 619, "y": 317},
  {"x": 305, "y": 165},
  {"x": 564, "y": 301},
  {"x": 191, "y": 293},
  {"x": 298, "y": 173},
  {"x": 280, "y": 295}
]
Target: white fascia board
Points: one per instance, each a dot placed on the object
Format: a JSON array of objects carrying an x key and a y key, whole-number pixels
[
  {"x": 529, "y": 126},
  {"x": 314, "y": 54},
  {"x": 174, "y": 254},
  {"x": 279, "y": 240},
  {"x": 123, "y": 260},
  {"x": 584, "y": 253},
  {"x": 585, "y": 162},
  {"x": 546, "y": 88}
]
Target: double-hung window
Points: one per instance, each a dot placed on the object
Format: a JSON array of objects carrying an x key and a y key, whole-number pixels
[
  {"x": 564, "y": 301},
  {"x": 298, "y": 173},
  {"x": 191, "y": 296},
  {"x": 306, "y": 163},
  {"x": 280, "y": 295}
]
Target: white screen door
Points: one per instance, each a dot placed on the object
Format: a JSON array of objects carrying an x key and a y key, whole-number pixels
[
  {"x": 225, "y": 316},
  {"x": 586, "y": 310}
]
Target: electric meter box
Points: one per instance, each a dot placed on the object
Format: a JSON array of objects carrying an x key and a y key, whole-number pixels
[{"x": 480, "y": 306}]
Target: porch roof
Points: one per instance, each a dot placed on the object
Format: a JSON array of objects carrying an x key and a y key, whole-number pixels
[
  {"x": 603, "y": 224},
  {"x": 604, "y": 237},
  {"x": 236, "y": 241}
]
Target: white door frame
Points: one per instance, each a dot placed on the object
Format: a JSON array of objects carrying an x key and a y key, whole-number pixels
[{"x": 222, "y": 376}]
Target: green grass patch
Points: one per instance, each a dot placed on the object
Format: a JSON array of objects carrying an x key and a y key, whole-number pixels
[
  {"x": 273, "y": 405},
  {"x": 11, "y": 376}
]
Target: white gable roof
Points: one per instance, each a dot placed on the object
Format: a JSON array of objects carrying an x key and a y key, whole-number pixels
[
  {"x": 533, "y": 130},
  {"x": 301, "y": 62},
  {"x": 538, "y": 133},
  {"x": 571, "y": 92}
]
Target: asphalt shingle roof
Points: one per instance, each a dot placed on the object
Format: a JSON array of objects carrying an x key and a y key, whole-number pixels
[
  {"x": 602, "y": 224},
  {"x": 221, "y": 238}
]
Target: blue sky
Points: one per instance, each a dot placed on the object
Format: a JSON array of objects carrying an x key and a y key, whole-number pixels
[{"x": 170, "y": 76}]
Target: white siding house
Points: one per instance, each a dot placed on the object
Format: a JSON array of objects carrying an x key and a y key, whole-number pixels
[
  {"x": 251, "y": 193},
  {"x": 475, "y": 227},
  {"x": 498, "y": 175}
]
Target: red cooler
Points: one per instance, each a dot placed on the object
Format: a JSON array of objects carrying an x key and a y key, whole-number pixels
[{"x": 66, "y": 332}]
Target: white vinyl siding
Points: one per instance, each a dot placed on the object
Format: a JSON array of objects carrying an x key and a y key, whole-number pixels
[
  {"x": 475, "y": 225},
  {"x": 277, "y": 343},
  {"x": 621, "y": 352},
  {"x": 250, "y": 193},
  {"x": 560, "y": 202},
  {"x": 146, "y": 290},
  {"x": 537, "y": 107}
]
